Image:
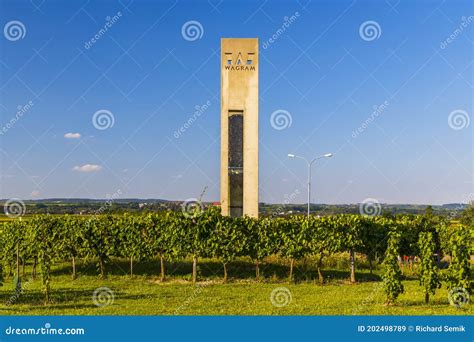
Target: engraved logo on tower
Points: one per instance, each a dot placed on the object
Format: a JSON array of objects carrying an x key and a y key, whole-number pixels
[{"x": 239, "y": 61}]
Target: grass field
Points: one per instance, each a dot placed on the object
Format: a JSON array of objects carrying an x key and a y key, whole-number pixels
[{"x": 144, "y": 294}]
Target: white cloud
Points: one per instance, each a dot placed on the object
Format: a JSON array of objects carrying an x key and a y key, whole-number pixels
[
  {"x": 87, "y": 168},
  {"x": 72, "y": 135},
  {"x": 35, "y": 193}
]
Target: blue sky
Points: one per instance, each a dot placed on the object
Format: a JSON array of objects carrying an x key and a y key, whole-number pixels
[{"x": 324, "y": 70}]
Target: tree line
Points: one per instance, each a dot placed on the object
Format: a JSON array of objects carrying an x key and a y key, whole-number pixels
[{"x": 171, "y": 236}]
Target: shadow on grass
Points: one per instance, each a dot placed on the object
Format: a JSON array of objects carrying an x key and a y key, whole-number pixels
[
  {"x": 211, "y": 269},
  {"x": 61, "y": 298},
  {"x": 338, "y": 275}
]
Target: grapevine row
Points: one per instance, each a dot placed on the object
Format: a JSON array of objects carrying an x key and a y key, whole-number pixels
[{"x": 173, "y": 236}]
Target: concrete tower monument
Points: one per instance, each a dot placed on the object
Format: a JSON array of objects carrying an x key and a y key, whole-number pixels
[{"x": 239, "y": 126}]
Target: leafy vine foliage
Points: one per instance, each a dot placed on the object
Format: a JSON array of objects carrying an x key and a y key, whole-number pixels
[
  {"x": 429, "y": 273},
  {"x": 169, "y": 236},
  {"x": 392, "y": 282},
  {"x": 459, "y": 245}
]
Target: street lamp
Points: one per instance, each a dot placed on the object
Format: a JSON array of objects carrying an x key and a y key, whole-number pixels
[{"x": 310, "y": 163}]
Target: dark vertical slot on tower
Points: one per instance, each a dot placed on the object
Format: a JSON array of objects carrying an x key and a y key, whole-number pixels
[{"x": 236, "y": 162}]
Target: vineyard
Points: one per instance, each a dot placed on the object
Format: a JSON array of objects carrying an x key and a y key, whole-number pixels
[{"x": 440, "y": 249}]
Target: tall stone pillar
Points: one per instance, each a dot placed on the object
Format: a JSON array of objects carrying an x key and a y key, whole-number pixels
[{"x": 239, "y": 126}]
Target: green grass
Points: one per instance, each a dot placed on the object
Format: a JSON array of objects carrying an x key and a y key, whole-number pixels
[{"x": 144, "y": 294}]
